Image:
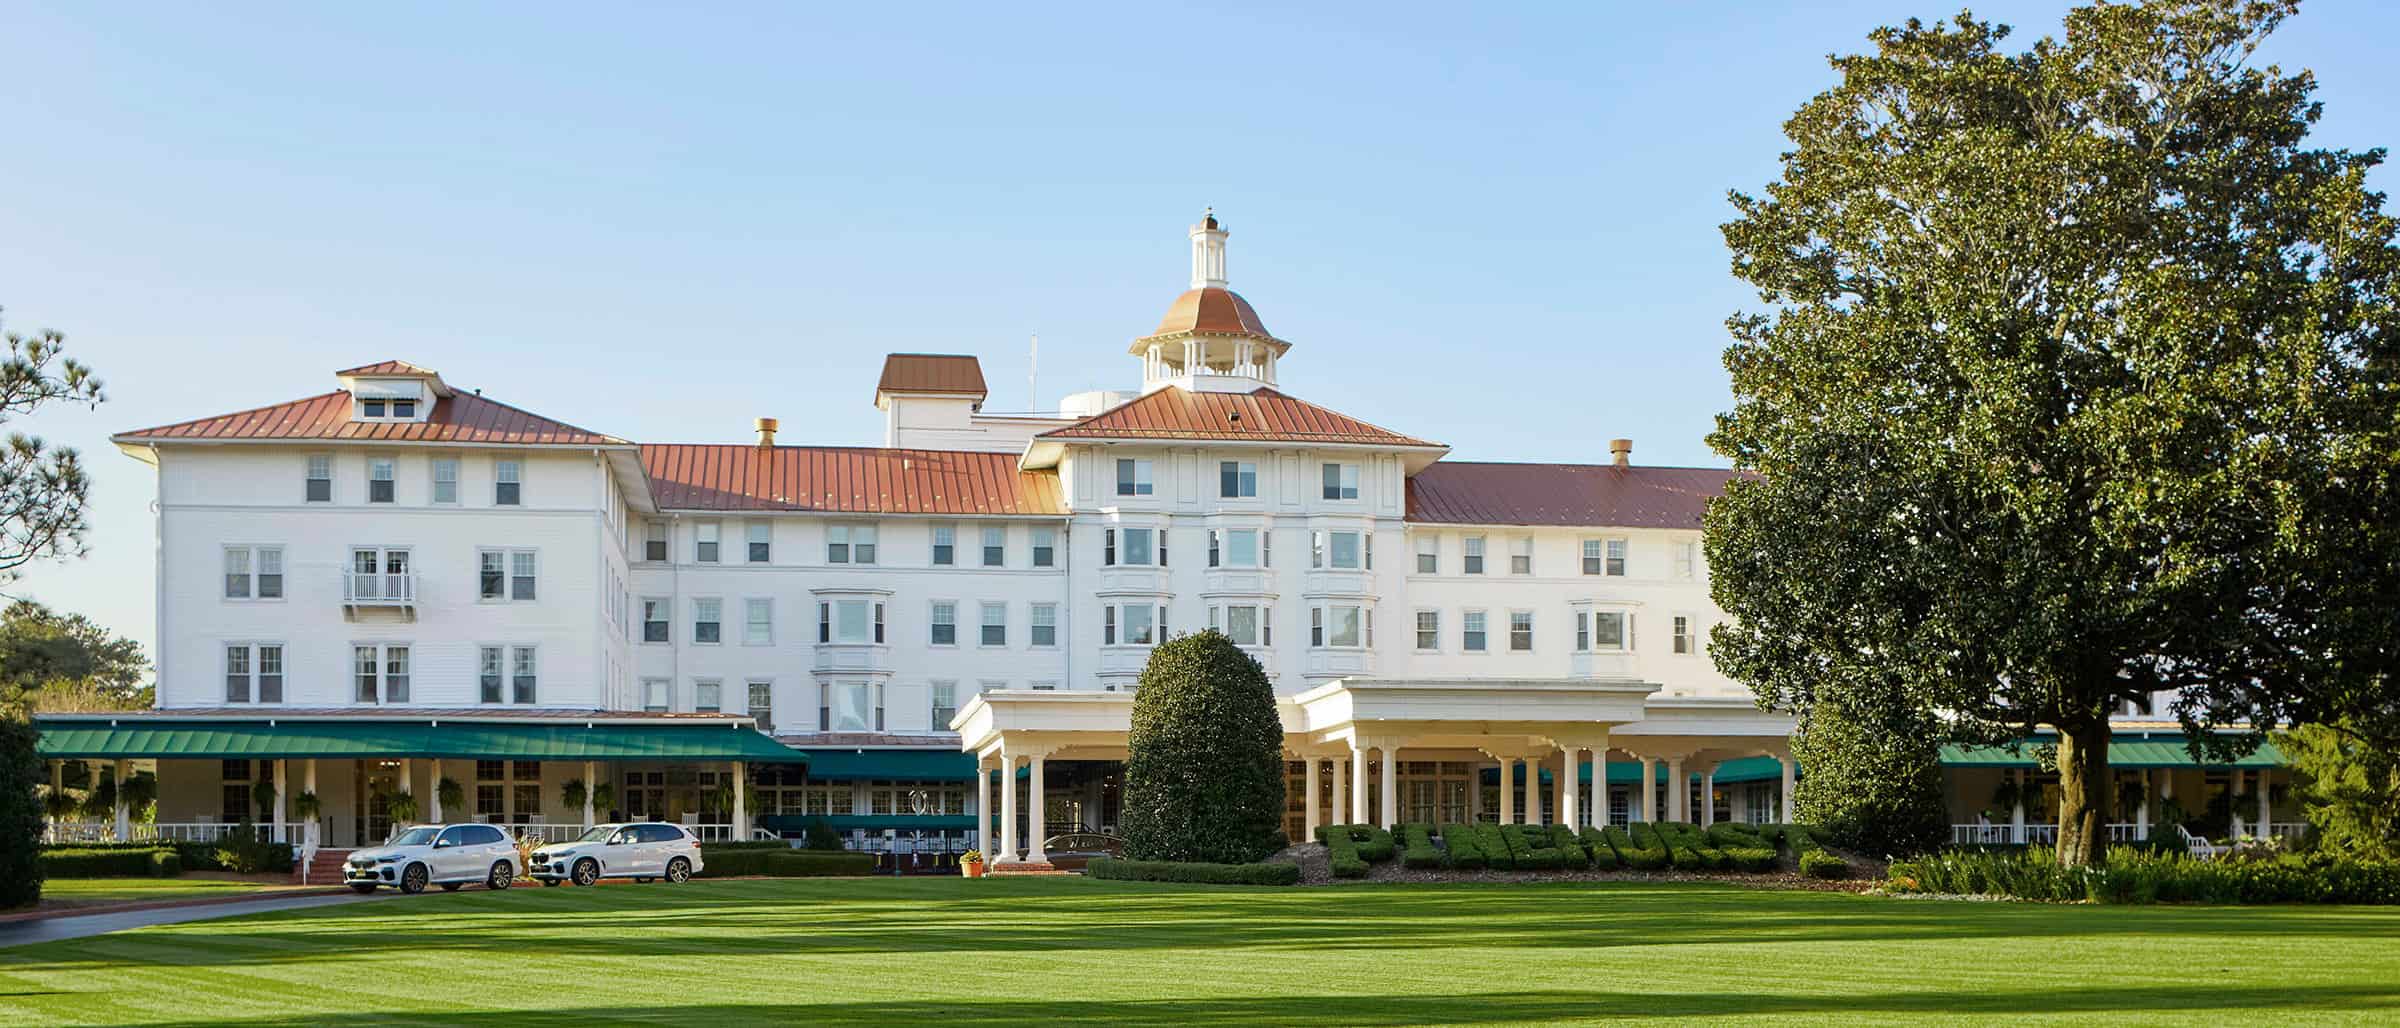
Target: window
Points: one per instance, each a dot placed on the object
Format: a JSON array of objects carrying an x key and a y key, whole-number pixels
[
  {"x": 254, "y": 673},
  {"x": 1683, "y": 634},
  {"x": 379, "y": 574},
  {"x": 1237, "y": 479},
  {"x": 1429, "y": 554},
  {"x": 1133, "y": 478},
  {"x": 1583, "y": 631},
  {"x": 1687, "y": 561},
  {"x": 1520, "y": 555},
  {"x": 1141, "y": 546},
  {"x": 506, "y": 575},
  {"x": 1045, "y": 624},
  {"x": 758, "y": 621},
  {"x": 1429, "y": 630},
  {"x": 1237, "y": 548},
  {"x": 1604, "y": 557},
  {"x": 849, "y": 621},
  {"x": 319, "y": 479},
  {"x": 708, "y": 615},
  {"x": 1141, "y": 624},
  {"x": 762, "y": 705},
  {"x": 381, "y": 473},
  {"x": 708, "y": 696},
  {"x": 654, "y": 540},
  {"x": 1334, "y": 626},
  {"x": 521, "y": 575},
  {"x": 1520, "y": 631},
  {"x": 1612, "y": 630},
  {"x": 658, "y": 695},
  {"x": 945, "y": 703},
  {"x": 1244, "y": 624},
  {"x": 445, "y": 480},
  {"x": 995, "y": 545},
  {"x": 945, "y": 544},
  {"x": 1472, "y": 559},
  {"x": 1334, "y": 550},
  {"x": 705, "y": 539},
  {"x": 654, "y": 620},
  {"x": 382, "y": 673},
  {"x": 945, "y": 624},
  {"x": 1471, "y": 638},
  {"x": 850, "y": 544},
  {"x": 850, "y": 707},
  {"x": 762, "y": 541},
  {"x": 1045, "y": 547},
  {"x": 508, "y": 477},
  {"x": 254, "y": 572},
  {"x": 1616, "y": 558},
  {"x": 488, "y": 674},
  {"x": 1341, "y": 481},
  {"x": 995, "y": 624},
  {"x": 521, "y": 677}
]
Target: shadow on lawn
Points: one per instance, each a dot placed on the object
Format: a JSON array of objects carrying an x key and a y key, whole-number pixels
[
  {"x": 757, "y": 918},
  {"x": 1468, "y": 1008}
]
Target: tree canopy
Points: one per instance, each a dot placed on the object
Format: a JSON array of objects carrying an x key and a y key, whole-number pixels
[
  {"x": 1204, "y": 767},
  {"x": 42, "y": 489},
  {"x": 2076, "y": 365},
  {"x": 67, "y": 662}
]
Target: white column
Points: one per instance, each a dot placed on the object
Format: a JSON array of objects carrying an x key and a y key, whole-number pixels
[
  {"x": 2141, "y": 811},
  {"x": 1313, "y": 788},
  {"x": 283, "y": 792},
  {"x": 591, "y": 784},
  {"x": 2235, "y": 787},
  {"x": 983, "y": 809},
  {"x": 1567, "y": 775},
  {"x": 1679, "y": 791},
  {"x": 1034, "y": 823},
  {"x": 1341, "y": 788},
  {"x": 1708, "y": 797},
  {"x": 2266, "y": 803},
  {"x": 124, "y": 811},
  {"x": 1092, "y": 796},
  {"x": 1791, "y": 807},
  {"x": 1600, "y": 787},
  {"x": 408, "y": 784},
  {"x": 2016, "y": 813},
  {"x": 433, "y": 801},
  {"x": 308, "y": 784},
  {"x": 1647, "y": 808},
  {"x": 1508, "y": 790},
  {"x": 1391, "y": 787},
  {"x": 741, "y": 807},
  {"x": 1358, "y": 783},
  {"x": 1008, "y": 807}
]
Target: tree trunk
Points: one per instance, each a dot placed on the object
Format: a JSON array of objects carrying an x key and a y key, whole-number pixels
[{"x": 2083, "y": 794}]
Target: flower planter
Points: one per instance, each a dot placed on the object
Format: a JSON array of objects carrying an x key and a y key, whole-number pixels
[{"x": 972, "y": 869}]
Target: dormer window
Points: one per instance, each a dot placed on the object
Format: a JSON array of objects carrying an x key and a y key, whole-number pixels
[{"x": 388, "y": 400}]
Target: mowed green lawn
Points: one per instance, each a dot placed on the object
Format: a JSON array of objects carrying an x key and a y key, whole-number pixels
[
  {"x": 64, "y": 892},
  {"x": 950, "y": 952}
]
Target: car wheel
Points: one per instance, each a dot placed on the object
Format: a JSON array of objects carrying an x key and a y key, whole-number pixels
[
  {"x": 362, "y": 888},
  {"x": 452, "y": 886},
  {"x": 502, "y": 876},
  {"x": 549, "y": 883},
  {"x": 641, "y": 881},
  {"x": 412, "y": 880},
  {"x": 587, "y": 872},
  {"x": 679, "y": 871}
]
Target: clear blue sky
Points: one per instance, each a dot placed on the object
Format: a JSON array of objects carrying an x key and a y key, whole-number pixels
[{"x": 1491, "y": 225}]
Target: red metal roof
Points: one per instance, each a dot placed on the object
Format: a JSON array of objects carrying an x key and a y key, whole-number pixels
[
  {"x": 1599, "y": 495},
  {"x": 931, "y": 373},
  {"x": 386, "y": 368},
  {"x": 1212, "y": 310},
  {"x": 458, "y": 418},
  {"x": 846, "y": 479},
  {"x": 1262, "y": 415}
]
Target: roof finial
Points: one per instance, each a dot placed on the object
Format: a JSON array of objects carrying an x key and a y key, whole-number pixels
[
  {"x": 1208, "y": 217},
  {"x": 1208, "y": 252}
]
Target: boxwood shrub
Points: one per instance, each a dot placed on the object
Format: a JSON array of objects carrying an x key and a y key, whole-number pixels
[
  {"x": 784, "y": 863},
  {"x": 1496, "y": 854},
  {"x": 1604, "y": 856},
  {"x": 112, "y": 862},
  {"x": 2143, "y": 876},
  {"x": 1684, "y": 838},
  {"x": 1341, "y": 848},
  {"x": 1639, "y": 846},
  {"x": 1193, "y": 873},
  {"x": 1742, "y": 846},
  {"x": 1571, "y": 844},
  {"x": 1806, "y": 845},
  {"x": 1459, "y": 849},
  {"x": 1416, "y": 846}
]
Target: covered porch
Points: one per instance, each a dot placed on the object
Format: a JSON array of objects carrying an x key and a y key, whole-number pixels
[{"x": 2000, "y": 795}]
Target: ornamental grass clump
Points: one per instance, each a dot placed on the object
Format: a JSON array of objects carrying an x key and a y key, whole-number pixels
[{"x": 1204, "y": 768}]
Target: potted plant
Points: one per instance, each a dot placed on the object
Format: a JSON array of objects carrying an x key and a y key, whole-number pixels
[
  {"x": 604, "y": 799},
  {"x": 970, "y": 863},
  {"x": 572, "y": 793},
  {"x": 262, "y": 796},
  {"x": 452, "y": 794},
  {"x": 401, "y": 807}
]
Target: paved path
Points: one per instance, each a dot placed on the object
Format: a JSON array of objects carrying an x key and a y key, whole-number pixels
[{"x": 78, "y": 926}]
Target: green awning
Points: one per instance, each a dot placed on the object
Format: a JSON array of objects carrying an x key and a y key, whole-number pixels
[
  {"x": 216, "y": 738},
  {"x": 1627, "y": 772},
  {"x": 921, "y": 765},
  {"x": 2133, "y": 752},
  {"x": 870, "y": 822}
]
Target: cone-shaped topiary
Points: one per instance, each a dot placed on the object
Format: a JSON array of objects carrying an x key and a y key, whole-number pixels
[
  {"x": 20, "y": 814},
  {"x": 1204, "y": 779}
]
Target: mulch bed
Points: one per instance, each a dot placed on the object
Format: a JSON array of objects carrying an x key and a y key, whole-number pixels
[{"x": 1316, "y": 868}]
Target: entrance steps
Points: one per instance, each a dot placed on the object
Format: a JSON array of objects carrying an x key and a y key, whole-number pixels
[{"x": 326, "y": 869}]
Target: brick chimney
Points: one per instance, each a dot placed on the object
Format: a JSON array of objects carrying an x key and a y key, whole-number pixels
[
  {"x": 766, "y": 433},
  {"x": 1622, "y": 449}
]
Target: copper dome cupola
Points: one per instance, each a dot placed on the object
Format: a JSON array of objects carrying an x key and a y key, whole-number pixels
[{"x": 1211, "y": 340}]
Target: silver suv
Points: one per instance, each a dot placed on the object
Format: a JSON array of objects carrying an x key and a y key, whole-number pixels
[
  {"x": 642, "y": 851},
  {"x": 446, "y": 855}
]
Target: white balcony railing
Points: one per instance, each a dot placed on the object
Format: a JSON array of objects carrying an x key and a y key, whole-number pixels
[{"x": 379, "y": 588}]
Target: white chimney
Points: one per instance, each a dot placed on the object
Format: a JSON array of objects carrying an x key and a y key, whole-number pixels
[{"x": 1623, "y": 449}]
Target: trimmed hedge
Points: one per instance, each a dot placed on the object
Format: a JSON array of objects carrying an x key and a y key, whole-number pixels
[
  {"x": 1459, "y": 850},
  {"x": 1341, "y": 848},
  {"x": 1742, "y": 846},
  {"x": 1566, "y": 841},
  {"x": 1488, "y": 841},
  {"x": 2132, "y": 876},
  {"x": 1806, "y": 845},
  {"x": 1193, "y": 873},
  {"x": 1416, "y": 839},
  {"x": 1684, "y": 838},
  {"x": 1535, "y": 849},
  {"x": 1638, "y": 847},
  {"x": 707, "y": 849},
  {"x": 784, "y": 863},
  {"x": 110, "y": 862},
  {"x": 1604, "y": 856}
]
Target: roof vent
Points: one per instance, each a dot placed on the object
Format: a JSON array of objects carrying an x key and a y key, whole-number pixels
[
  {"x": 1234, "y": 417},
  {"x": 766, "y": 433},
  {"x": 1623, "y": 450}
]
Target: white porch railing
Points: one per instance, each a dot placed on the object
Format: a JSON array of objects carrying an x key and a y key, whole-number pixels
[
  {"x": 545, "y": 833},
  {"x": 2001, "y": 835},
  {"x": 2288, "y": 829},
  {"x": 2125, "y": 832},
  {"x": 183, "y": 831},
  {"x": 713, "y": 833},
  {"x": 80, "y": 830}
]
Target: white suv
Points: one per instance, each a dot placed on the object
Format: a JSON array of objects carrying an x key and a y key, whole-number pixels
[
  {"x": 641, "y": 851},
  {"x": 446, "y": 855}
]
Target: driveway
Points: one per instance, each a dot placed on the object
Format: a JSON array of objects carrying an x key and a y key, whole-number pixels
[{"x": 78, "y": 926}]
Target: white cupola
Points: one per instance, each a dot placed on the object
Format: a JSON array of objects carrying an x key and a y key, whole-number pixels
[{"x": 1211, "y": 339}]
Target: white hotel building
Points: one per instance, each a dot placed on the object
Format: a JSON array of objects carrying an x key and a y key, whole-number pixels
[{"x": 401, "y": 583}]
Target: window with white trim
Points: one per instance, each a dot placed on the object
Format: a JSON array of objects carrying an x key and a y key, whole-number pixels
[
  {"x": 1612, "y": 631},
  {"x": 708, "y": 695},
  {"x": 945, "y": 544},
  {"x": 1429, "y": 630},
  {"x": 945, "y": 623},
  {"x": 758, "y": 621},
  {"x": 658, "y": 695},
  {"x": 508, "y": 478},
  {"x": 707, "y": 541},
  {"x": 1247, "y": 624},
  {"x": 1341, "y": 481},
  {"x": 254, "y": 572},
  {"x": 762, "y": 703},
  {"x": 1044, "y": 624},
  {"x": 318, "y": 480},
  {"x": 945, "y": 703},
  {"x": 1471, "y": 632},
  {"x": 1687, "y": 561},
  {"x": 850, "y": 544},
  {"x": 381, "y": 672},
  {"x": 1520, "y": 555},
  {"x": 850, "y": 707},
  {"x": 1133, "y": 477},
  {"x": 850, "y": 621},
  {"x": 1234, "y": 548},
  {"x": 1237, "y": 479},
  {"x": 1132, "y": 624},
  {"x": 708, "y": 620},
  {"x": 506, "y": 575},
  {"x": 1429, "y": 554},
  {"x": 383, "y": 475},
  {"x": 1683, "y": 635},
  {"x": 1471, "y": 555},
  {"x": 1133, "y": 547},
  {"x": 254, "y": 673},
  {"x": 995, "y": 546},
  {"x": 1045, "y": 547},
  {"x": 995, "y": 625},
  {"x": 1520, "y": 631},
  {"x": 507, "y": 674},
  {"x": 654, "y": 620},
  {"x": 1337, "y": 626},
  {"x": 1338, "y": 550},
  {"x": 445, "y": 480},
  {"x": 762, "y": 541}
]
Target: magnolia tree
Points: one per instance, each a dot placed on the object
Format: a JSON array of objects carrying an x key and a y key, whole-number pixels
[
  {"x": 2073, "y": 385},
  {"x": 1204, "y": 764}
]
